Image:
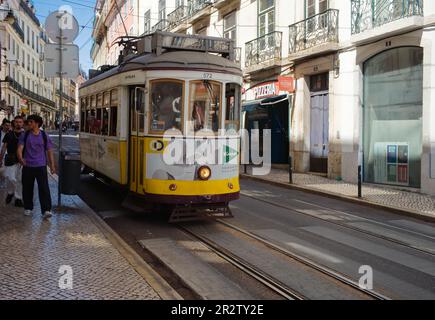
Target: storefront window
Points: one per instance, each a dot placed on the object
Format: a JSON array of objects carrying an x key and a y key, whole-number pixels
[
  {"x": 205, "y": 103},
  {"x": 232, "y": 111},
  {"x": 393, "y": 94},
  {"x": 166, "y": 105}
]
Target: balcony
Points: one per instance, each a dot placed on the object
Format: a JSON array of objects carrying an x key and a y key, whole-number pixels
[
  {"x": 177, "y": 19},
  {"x": 18, "y": 30},
  {"x": 372, "y": 20},
  {"x": 162, "y": 25},
  {"x": 315, "y": 35},
  {"x": 66, "y": 96},
  {"x": 222, "y": 3},
  {"x": 263, "y": 52},
  {"x": 30, "y": 94},
  {"x": 197, "y": 9}
]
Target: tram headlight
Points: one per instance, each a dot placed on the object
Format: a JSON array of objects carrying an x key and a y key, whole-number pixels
[{"x": 204, "y": 173}]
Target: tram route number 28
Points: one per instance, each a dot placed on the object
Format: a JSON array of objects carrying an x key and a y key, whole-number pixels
[{"x": 207, "y": 76}]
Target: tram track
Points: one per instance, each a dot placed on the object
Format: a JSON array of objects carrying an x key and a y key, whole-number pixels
[
  {"x": 353, "y": 228},
  {"x": 268, "y": 280}
]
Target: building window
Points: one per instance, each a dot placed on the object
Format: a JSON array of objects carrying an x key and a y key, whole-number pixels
[
  {"x": 28, "y": 35},
  {"x": 147, "y": 18},
  {"x": 266, "y": 17},
  {"x": 33, "y": 40},
  {"x": 230, "y": 26},
  {"x": 162, "y": 10}
]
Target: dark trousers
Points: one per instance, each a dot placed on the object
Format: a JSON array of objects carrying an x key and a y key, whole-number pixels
[{"x": 40, "y": 175}]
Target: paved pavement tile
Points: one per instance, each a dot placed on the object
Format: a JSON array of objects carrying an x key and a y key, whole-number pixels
[{"x": 33, "y": 252}]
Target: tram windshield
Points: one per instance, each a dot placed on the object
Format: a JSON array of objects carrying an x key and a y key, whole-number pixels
[
  {"x": 205, "y": 103},
  {"x": 167, "y": 105}
]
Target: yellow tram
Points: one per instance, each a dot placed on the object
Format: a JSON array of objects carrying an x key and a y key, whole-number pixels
[{"x": 166, "y": 88}]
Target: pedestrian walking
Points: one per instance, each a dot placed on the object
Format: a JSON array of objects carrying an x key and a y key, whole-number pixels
[
  {"x": 35, "y": 152},
  {"x": 12, "y": 167},
  {"x": 4, "y": 129}
]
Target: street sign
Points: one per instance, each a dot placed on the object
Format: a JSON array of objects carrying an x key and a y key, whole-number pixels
[
  {"x": 70, "y": 60},
  {"x": 61, "y": 22}
]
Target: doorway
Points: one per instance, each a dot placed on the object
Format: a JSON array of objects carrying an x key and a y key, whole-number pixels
[
  {"x": 137, "y": 132},
  {"x": 319, "y": 123}
]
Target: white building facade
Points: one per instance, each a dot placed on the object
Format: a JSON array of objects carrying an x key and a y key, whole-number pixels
[
  {"x": 341, "y": 83},
  {"x": 25, "y": 90}
]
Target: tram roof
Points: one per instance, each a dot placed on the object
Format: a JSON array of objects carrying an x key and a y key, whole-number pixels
[{"x": 184, "y": 60}]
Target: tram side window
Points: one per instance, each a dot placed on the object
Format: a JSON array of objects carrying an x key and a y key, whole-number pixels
[
  {"x": 205, "y": 103},
  {"x": 232, "y": 111},
  {"x": 166, "y": 105},
  {"x": 113, "y": 113},
  {"x": 91, "y": 115},
  {"x": 105, "y": 114},
  {"x": 98, "y": 120},
  {"x": 82, "y": 114}
]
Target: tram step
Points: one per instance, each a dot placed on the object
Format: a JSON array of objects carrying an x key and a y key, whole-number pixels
[{"x": 198, "y": 212}]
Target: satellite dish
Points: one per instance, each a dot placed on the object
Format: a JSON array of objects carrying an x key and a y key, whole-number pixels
[{"x": 61, "y": 22}]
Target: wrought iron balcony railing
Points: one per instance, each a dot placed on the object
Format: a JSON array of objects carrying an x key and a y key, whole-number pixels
[
  {"x": 177, "y": 16},
  {"x": 369, "y": 14},
  {"x": 197, "y": 5},
  {"x": 238, "y": 55},
  {"x": 263, "y": 49},
  {"x": 28, "y": 93},
  {"x": 160, "y": 26},
  {"x": 316, "y": 30}
]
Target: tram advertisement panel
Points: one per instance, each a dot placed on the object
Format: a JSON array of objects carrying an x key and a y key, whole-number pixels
[{"x": 180, "y": 159}]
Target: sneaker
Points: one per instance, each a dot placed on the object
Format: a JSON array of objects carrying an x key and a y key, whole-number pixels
[
  {"x": 18, "y": 203},
  {"x": 9, "y": 198},
  {"x": 28, "y": 212},
  {"x": 47, "y": 215}
]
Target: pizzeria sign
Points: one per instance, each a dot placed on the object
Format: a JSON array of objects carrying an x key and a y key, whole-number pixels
[{"x": 270, "y": 89}]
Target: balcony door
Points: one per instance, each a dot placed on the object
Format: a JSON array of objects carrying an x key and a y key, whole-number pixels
[{"x": 315, "y": 7}]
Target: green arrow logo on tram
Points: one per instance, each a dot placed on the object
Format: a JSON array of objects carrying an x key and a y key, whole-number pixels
[{"x": 230, "y": 154}]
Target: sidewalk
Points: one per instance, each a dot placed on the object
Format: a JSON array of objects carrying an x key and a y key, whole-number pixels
[
  {"x": 32, "y": 250},
  {"x": 381, "y": 196}
]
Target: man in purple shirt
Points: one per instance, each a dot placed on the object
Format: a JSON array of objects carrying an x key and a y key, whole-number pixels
[{"x": 35, "y": 152}]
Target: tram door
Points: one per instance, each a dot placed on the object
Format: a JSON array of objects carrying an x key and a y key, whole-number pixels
[{"x": 137, "y": 142}]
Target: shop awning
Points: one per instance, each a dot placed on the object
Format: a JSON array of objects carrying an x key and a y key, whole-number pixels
[{"x": 255, "y": 104}]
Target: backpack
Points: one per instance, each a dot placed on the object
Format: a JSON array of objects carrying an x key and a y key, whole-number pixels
[{"x": 44, "y": 137}]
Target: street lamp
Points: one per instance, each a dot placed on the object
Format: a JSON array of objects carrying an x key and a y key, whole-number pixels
[{"x": 10, "y": 17}]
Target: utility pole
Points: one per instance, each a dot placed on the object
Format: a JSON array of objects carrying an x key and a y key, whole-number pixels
[{"x": 59, "y": 191}]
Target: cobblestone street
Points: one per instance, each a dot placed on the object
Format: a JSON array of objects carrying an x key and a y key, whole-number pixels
[
  {"x": 382, "y": 195},
  {"x": 32, "y": 251}
]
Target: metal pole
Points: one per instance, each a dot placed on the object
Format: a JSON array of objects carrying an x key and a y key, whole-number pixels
[
  {"x": 59, "y": 195},
  {"x": 290, "y": 170},
  {"x": 359, "y": 182}
]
